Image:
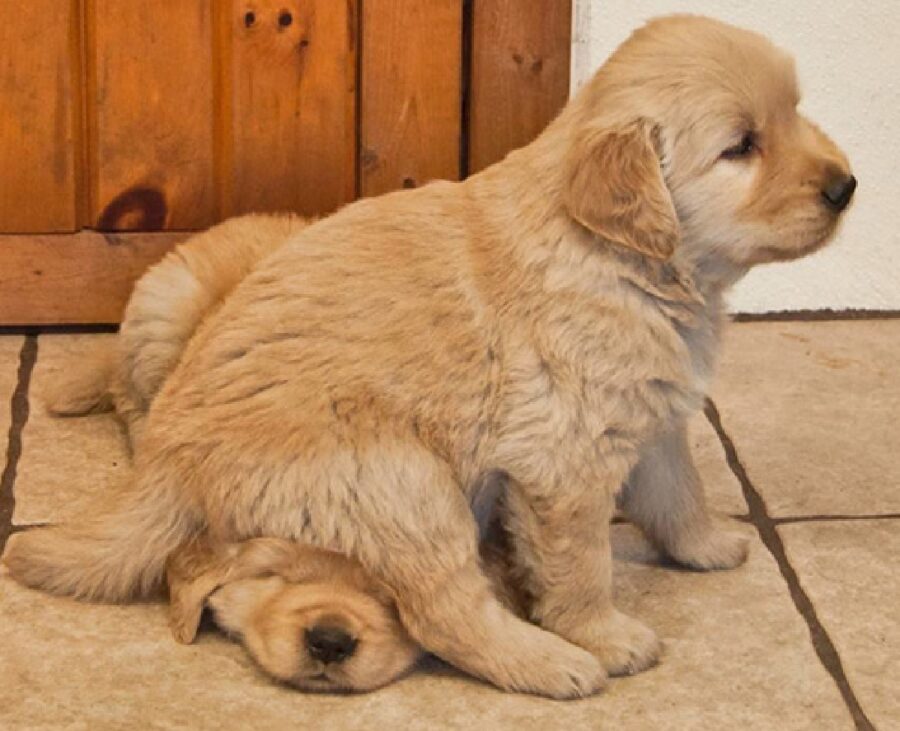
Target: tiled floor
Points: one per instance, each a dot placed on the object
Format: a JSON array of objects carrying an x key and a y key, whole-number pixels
[{"x": 801, "y": 441}]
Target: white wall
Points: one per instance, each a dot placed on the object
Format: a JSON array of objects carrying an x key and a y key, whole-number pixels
[{"x": 848, "y": 59}]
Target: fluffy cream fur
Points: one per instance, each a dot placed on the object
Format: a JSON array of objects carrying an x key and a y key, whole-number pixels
[{"x": 552, "y": 319}]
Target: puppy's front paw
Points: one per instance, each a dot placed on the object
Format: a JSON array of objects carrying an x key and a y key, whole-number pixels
[
  {"x": 545, "y": 664},
  {"x": 572, "y": 673},
  {"x": 624, "y": 645},
  {"x": 713, "y": 549}
]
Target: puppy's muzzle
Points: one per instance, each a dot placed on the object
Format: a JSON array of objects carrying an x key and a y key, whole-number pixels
[
  {"x": 838, "y": 192},
  {"x": 329, "y": 644}
]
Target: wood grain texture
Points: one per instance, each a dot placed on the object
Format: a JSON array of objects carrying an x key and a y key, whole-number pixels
[
  {"x": 286, "y": 136},
  {"x": 81, "y": 278},
  {"x": 520, "y": 73},
  {"x": 411, "y": 87},
  {"x": 149, "y": 114},
  {"x": 39, "y": 115}
]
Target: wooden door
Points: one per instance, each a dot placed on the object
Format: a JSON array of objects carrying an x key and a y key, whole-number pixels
[{"x": 125, "y": 125}]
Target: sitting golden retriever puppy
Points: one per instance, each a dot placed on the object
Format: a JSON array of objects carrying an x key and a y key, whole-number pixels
[
  {"x": 311, "y": 618},
  {"x": 552, "y": 319}
]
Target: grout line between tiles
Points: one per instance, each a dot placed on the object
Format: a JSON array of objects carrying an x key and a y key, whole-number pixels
[
  {"x": 768, "y": 533},
  {"x": 28, "y": 526},
  {"x": 790, "y": 519},
  {"x": 19, "y": 409},
  {"x": 826, "y": 315}
]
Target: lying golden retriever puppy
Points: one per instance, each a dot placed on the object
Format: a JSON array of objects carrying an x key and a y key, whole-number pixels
[
  {"x": 311, "y": 618},
  {"x": 552, "y": 319}
]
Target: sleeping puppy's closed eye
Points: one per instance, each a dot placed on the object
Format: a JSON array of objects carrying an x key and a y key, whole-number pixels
[{"x": 308, "y": 617}]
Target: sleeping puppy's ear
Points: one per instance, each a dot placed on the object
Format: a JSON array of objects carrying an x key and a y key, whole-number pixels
[
  {"x": 615, "y": 188},
  {"x": 193, "y": 572},
  {"x": 197, "y": 569}
]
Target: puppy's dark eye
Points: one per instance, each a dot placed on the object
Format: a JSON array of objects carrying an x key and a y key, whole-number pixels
[{"x": 743, "y": 149}]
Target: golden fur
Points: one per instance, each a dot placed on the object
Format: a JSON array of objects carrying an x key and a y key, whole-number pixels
[{"x": 552, "y": 321}]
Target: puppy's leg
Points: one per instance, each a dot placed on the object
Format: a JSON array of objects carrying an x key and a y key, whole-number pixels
[
  {"x": 423, "y": 545},
  {"x": 455, "y": 614},
  {"x": 560, "y": 533},
  {"x": 664, "y": 496}
]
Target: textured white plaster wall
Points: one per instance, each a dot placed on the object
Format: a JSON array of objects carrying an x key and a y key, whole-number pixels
[{"x": 848, "y": 59}]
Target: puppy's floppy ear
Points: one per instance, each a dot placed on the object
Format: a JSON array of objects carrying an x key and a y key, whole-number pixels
[
  {"x": 614, "y": 187},
  {"x": 197, "y": 569},
  {"x": 192, "y": 573}
]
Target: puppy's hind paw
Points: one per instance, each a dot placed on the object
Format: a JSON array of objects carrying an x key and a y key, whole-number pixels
[{"x": 716, "y": 549}]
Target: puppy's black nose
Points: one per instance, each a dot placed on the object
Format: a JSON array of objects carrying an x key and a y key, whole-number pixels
[
  {"x": 838, "y": 192},
  {"x": 329, "y": 644}
]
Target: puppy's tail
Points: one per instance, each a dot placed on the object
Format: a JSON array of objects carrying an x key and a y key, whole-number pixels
[
  {"x": 112, "y": 556},
  {"x": 87, "y": 389}
]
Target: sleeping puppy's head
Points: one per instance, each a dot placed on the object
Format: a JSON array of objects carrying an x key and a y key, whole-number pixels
[
  {"x": 688, "y": 145},
  {"x": 311, "y": 618}
]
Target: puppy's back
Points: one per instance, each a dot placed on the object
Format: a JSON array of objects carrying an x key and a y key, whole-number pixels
[
  {"x": 167, "y": 305},
  {"x": 171, "y": 300}
]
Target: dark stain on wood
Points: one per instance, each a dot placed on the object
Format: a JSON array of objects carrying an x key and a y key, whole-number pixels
[
  {"x": 285, "y": 19},
  {"x": 135, "y": 209},
  {"x": 368, "y": 158}
]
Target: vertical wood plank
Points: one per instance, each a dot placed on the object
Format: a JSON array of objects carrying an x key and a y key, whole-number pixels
[
  {"x": 520, "y": 73},
  {"x": 150, "y": 114},
  {"x": 287, "y": 123},
  {"x": 39, "y": 115},
  {"x": 410, "y": 95}
]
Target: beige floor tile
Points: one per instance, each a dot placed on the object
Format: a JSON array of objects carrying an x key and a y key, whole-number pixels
[
  {"x": 812, "y": 408},
  {"x": 64, "y": 461},
  {"x": 737, "y": 656},
  {"x": 849, "y": 569},
  {"x": 10, "y": 348},
  {"x": 737, "y": 653}
]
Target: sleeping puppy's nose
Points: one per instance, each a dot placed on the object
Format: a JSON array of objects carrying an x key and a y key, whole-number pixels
[
  {"x": 329, "y": 644},
  {"x": 838, "y": 192}
]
